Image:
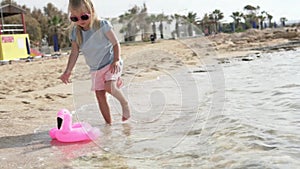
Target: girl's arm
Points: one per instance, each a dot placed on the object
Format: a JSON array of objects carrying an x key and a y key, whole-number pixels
[
  {"x": 71, "y": 63},
  {"x": 115, "y": 67}
]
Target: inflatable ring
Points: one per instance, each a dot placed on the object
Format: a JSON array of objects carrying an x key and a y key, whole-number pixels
[{"x": 66, "y": 132}]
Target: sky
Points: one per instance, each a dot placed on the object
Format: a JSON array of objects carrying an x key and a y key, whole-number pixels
[{"x": 114, "y": 8}]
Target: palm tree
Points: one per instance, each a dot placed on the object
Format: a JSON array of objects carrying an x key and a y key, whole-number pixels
[
  {"x": 251, "y": 9},
  {"x": 261, "y": 19},
  {"x": 54, "y": 24},
  {"x": 251, "y": 16},
  {"x": 206, "y": 24},
  {"x": 283, "y": 20},
  {"x": 270, "y": 17},
  {"x": 143, "y": 23},
  {"x": 216, "y": 16},
  {"x": 129, "y": 20},
  {"x": 237, "y": 17},
  {"x": 161, "y": 18},
  {"x": 191, "y": 20},
  {"x": 152, "y": 19},
  {"x": 177, "y": 19}
]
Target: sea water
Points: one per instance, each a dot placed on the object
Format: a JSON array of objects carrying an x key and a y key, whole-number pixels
[{"x": 241, "y": 114}]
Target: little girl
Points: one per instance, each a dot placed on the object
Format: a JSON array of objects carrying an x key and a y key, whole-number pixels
[{"x": 98, "y": 43}]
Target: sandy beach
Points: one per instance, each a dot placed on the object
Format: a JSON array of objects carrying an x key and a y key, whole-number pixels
[{"x": 31, "y": 94}]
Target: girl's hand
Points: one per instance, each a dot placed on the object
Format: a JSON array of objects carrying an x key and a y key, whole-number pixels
[
  {"x": 65, "y": 77},
  {"x": 115, "y": 67}
]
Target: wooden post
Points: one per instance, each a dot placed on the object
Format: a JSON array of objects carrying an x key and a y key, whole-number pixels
[{"x": 23, "y": 22}]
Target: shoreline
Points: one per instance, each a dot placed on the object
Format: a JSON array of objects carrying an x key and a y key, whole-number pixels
[{"x": 31, "y": 93}]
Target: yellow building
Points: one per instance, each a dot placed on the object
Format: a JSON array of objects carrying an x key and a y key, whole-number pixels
[{"x": 14, "y": 42}]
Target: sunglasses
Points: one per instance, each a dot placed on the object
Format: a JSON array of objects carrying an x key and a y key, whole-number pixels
[{"x": 83, "y": 17}]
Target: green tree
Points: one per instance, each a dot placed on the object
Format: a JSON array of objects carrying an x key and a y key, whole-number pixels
[
  {"x": 190, "y": 19},
  {"x": 237, "y": 17},
  {"x": 34, "y": 30},
  {"x": 129, "y": 19},
  {"x": 134, "y": 20},
  {"x": 144, "y": 23},
  {"x": 162, "y": 18},
  {"x": 261, "y": 19},
  {"x": 42, "y": 20},
  {"x": 216, "y": 16},
  {"x": 153, "y": 19},
  {"x": 57, "y": 23},
  {"x": 270, "y": 17},
  {"x": 206, "y": 24},
  {"x": 50, "y": 10},
  {"x": 283, "y": 20},
  {"x": 4, "y": 2},
  {"x": 177, "y": 19},
  {"x": 251, "y": 15}
]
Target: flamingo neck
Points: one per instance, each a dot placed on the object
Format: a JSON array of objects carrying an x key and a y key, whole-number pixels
[{"x": 67, "y": 122}]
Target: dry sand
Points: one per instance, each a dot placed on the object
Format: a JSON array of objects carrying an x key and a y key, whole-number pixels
[{"x": 31, "y": 94}]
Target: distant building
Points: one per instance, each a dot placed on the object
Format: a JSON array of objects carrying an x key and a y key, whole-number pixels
[{"x": 168, "y": 30}]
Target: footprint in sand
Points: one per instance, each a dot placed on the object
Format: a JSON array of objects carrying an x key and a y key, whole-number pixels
[
  {"x": 27, "y": 90},
  {"x": 52, "y": 96},
  {"x": 25, "y": 102}
]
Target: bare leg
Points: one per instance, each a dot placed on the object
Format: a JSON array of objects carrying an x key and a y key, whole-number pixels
[
  {"x": 110, "y": 87},
  {"x": 103, "y": 105}
]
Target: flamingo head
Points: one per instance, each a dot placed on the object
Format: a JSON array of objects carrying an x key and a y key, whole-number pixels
[{"x": 60, "y": 117}]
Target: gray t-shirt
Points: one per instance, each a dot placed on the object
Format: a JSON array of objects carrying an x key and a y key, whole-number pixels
[{"x": 96, "y": 47}]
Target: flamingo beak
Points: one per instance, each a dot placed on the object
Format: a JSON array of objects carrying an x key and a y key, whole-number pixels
[{"x": 59, "y": 122}]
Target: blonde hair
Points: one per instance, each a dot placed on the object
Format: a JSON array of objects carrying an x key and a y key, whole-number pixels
[{"x": 84, "y": 5}]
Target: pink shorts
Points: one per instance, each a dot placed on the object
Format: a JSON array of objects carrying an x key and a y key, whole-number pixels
[{"x": 103, "y": 75}]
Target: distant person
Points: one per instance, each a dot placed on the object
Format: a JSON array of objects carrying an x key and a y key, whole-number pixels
[
  {"x": 206, "y": 32},
  {"x": 152, "y": 38},
  {"x": 101, "y": 49}
]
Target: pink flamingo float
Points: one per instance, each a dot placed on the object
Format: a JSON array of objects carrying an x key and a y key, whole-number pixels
[{"x": 66, "y": 132}]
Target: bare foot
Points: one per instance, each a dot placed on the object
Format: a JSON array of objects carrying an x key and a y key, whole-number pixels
[{"x": 126, "y": 112}]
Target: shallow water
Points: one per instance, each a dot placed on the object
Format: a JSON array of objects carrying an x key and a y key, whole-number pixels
[
  {"x": 234, "y": 115},
  {"x": 191, "y": 120}
]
